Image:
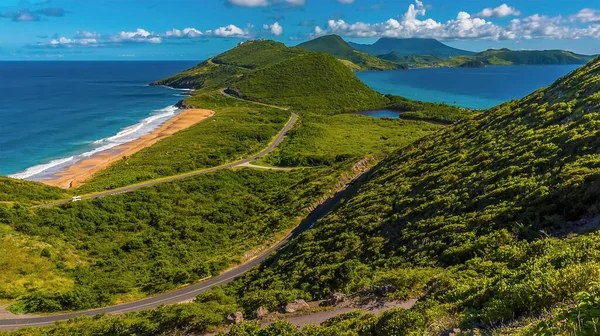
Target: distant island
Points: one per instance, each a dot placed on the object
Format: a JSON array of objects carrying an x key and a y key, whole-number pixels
[
  {"x": 397, "y": 53},
  {"x": 411, "y": 46},
  {"x": 355, "y": 59}
]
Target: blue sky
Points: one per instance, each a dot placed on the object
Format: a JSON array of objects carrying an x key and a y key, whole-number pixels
[{"x": 197, "y": 29}]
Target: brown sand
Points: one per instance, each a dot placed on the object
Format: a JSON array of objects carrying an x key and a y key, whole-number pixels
[{"x": 76, "y": 174}]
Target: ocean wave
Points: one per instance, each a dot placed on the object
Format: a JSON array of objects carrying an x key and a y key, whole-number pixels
[
  {"x": 36, "y": 170},
  {"x": 129, "y": 133},
  {"x": 176, "y": 89}
]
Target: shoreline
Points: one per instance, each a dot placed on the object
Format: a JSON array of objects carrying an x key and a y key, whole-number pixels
[{"x": 76, "y": 174}]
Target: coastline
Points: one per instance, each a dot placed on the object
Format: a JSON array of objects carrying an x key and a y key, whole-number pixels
[{"x": 77, "y": 173}]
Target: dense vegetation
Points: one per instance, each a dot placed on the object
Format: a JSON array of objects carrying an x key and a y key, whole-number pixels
[
  {"x": 218, "y": 72},
  {"x": 517, "y": 57},
  {"x": 154, "y": 239},
  {"x": 439, "y": 112},
  {"x": 124, "y": 247},
  {"x": 327, "y": 140},
  {"x": 237, "y": 130},
  {"x": 495, "y": 216},
  {"x": 410, "y": 46},
  {"x": 13, "y": 190},
  {"x": 308, "y": 82},
  {"x": 413, "y": 61},
  {"x": 336, "y": 46}
]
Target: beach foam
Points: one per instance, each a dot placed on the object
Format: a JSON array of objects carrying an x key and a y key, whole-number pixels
[{"x": 145, "y": 126}]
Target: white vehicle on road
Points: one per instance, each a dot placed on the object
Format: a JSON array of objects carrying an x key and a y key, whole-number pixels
[{"x": 76, "y": 198}]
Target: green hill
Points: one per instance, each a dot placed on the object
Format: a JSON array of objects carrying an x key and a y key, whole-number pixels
[
  {"x": 13, "y": 190},
  {"x": 223, "y": 69},
  {"x": 491, "y": 220},
  {"x": 336, "y": 46},
  {"x": 270, "y": 72},
  {"x": 520, "y": 57},
  {"x": 412, "y": 60},
  {"x": 310, "y": 81},
  {"x": 410, "y": 46}
]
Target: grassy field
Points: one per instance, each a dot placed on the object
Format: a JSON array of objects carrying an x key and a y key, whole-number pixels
[
  {"x": 150, "y": 240},
  {"x": 237, "y": 130},
  {"x": 327, "y": 140},
  {"x": 13, "y": 190}
]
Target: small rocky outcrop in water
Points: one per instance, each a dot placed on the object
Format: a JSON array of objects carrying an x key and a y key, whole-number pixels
[
  {"x": 235, "y": 318},
  {"x": 182, "y": 105},
  {"x": 296, "y": 306},
  {"x": 472, "y": 64}
]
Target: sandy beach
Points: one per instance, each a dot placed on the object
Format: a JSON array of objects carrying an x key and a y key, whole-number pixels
[{"x": 76, "y": 174}]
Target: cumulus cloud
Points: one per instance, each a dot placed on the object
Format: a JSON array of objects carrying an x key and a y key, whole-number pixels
[
  {"x": 70, "y": 42},
  {"x": 587, "y": 15},
  {"x": 228, "y": 31},
  {"x": 275, "y": 29},
  {"x": 138, "y": 36},
  {"x": 264, "y": 3},
  {"x": 185, "y": 33},
  {"x": 501, "y": 11},
  {"x": 92, "y": 39},
  {"x": 464, "y": 26}
]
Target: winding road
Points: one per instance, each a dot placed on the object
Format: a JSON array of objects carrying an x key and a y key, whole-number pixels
[
  {"x": 190, "y": 292},
  {"x": 134, "y": 187}
]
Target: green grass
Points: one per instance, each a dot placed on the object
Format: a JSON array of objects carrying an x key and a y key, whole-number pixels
[
  {"x": 326, "y": 140},
  {"x": 312, "y": 81},
  {"x": 13, "y": 190},
  {"x": 237, "y": 130},
  {"x": 32, "y": 264},
  {"x": 150, "y": 240},
  {"x": 519, "y": 57},
  {"x": 489, "y": 221},
  {"x": 257, "y": 54},
  {"x": 416, "y": 61}
]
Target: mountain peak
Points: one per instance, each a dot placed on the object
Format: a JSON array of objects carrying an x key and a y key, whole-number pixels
[{"x": 411, "y": 46}]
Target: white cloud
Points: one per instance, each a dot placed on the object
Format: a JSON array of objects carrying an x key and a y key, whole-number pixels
[
  {"x": 464, "y": 26},
  {"x": 264, "y": 3},
  {"x": 587, "y": 15},
  {"x": 185, "y": 33},
  {"x": 138, "y": 36},
  {"x": 228, "y": 31},
  {"x": 63, "y": 41},
  {"x": 501, "y": 11},
  {"x": 249, "y": 3},
  {"x": 275, "y": 29}
]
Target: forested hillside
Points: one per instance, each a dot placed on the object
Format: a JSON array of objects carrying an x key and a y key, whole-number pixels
[
  {"x": 310, "y": 81},
  {"x": 13, "y": 190},
  {"x": 489, "y": 221}
]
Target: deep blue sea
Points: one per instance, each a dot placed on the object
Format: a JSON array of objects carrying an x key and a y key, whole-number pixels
[
  {"x": 51, "y": 112},
  {"x": 474, "y": 88}
]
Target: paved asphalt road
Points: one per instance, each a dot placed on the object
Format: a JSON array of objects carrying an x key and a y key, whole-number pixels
[
  {"x": 190, "y": 292},
  {"x": 266, "y": 151}
]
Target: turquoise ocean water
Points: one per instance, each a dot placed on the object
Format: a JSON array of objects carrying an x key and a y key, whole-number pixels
[
  {"x": 52, "y": 113},
  {"x": 474, "y": 88}
]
